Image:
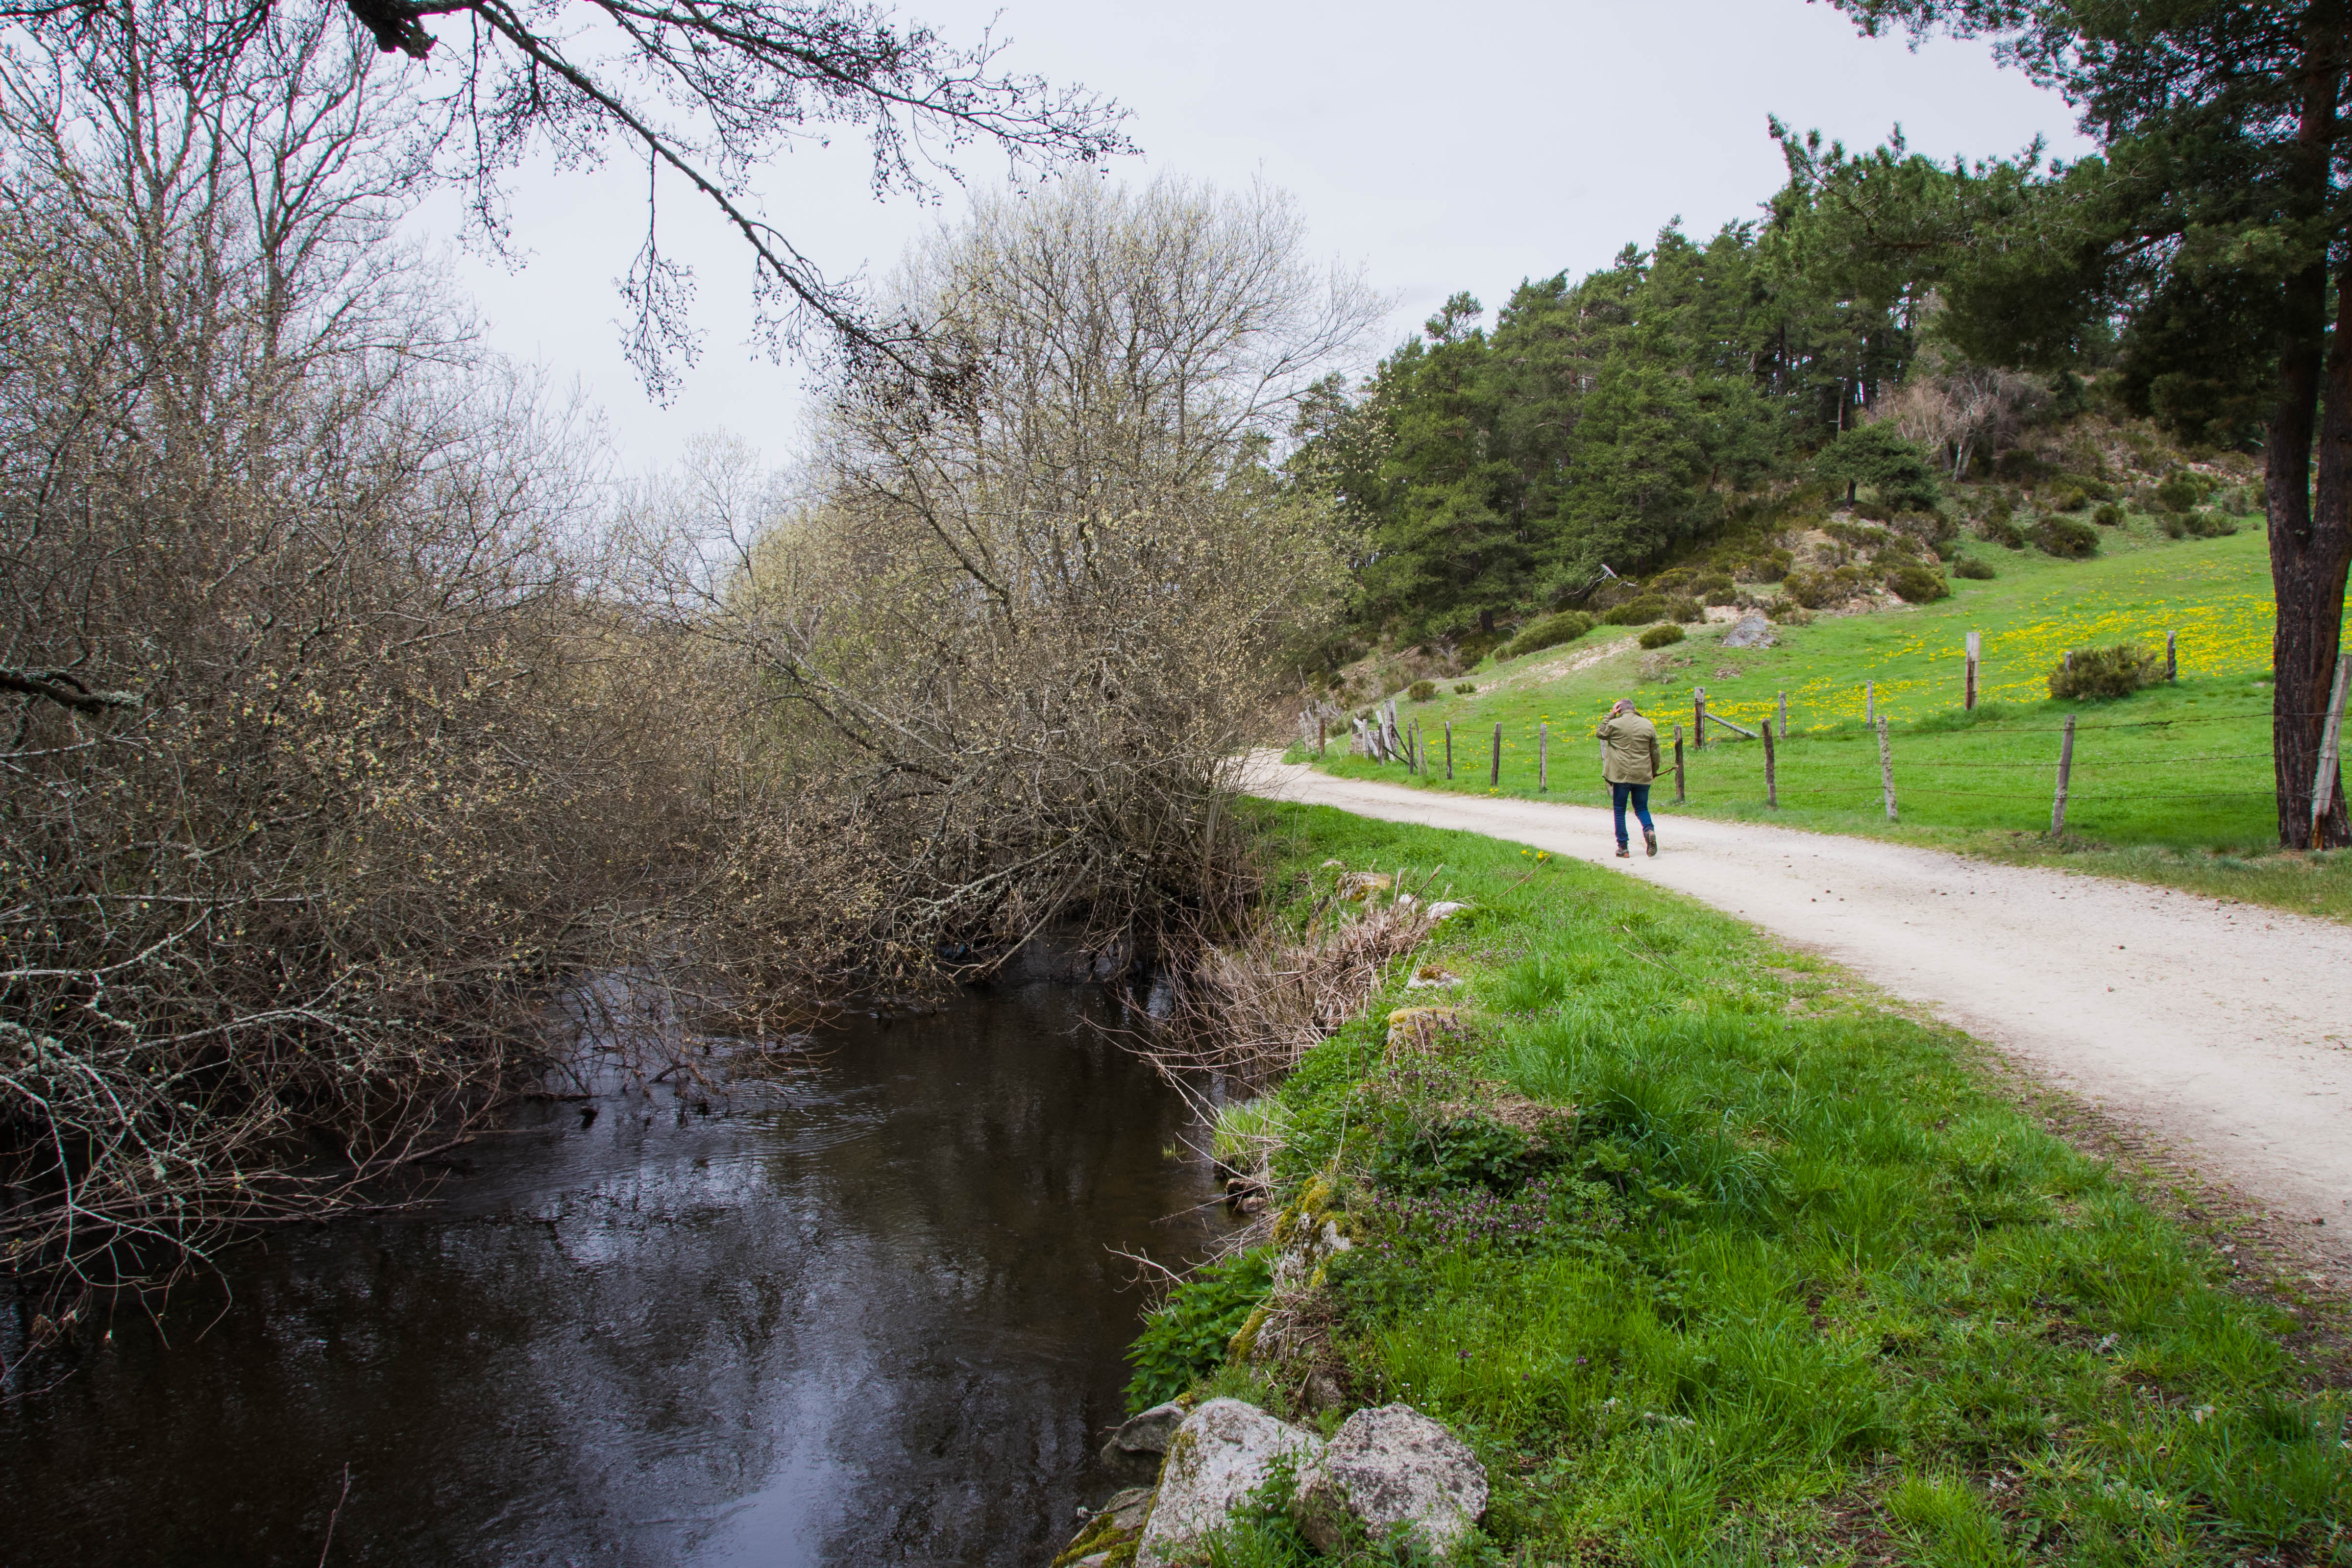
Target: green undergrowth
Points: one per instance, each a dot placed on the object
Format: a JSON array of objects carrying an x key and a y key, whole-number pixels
[{"x": 1715, "y": 1260}]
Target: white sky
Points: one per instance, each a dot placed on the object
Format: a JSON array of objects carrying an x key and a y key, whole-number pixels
[{"x": 1444, "y": 148}]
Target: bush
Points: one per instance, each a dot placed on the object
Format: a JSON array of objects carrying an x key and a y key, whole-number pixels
[
  {"x": 2109, "y": 515},
  {"x": 2179, "y": 492},
  {"x": 1973, "y": 569},
  {"x": 1466, "y": 689},
  {"x": 1637, "y": 613},
  {"x": 2068, "y": 498},
  {"x": 2066, "y": 537},
  {"x": 2003, "y": 532},
  {"x": 1918, "y": 585},
  {"x": 1422, "y": 691},
  {"x": 1716, "y": 589},
  {"x": 2104, "y": 672},
  {"x": 1684, "y": 610},
  {"x": 1661, "y": 634},
  {"x": 1789, "y": 614},
  {"x": 1551, "y": 632},
  {"x": 1812, "y": 589}
]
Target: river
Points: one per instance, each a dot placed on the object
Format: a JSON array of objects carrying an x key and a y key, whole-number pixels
[{"x": 874, "y": 1318}]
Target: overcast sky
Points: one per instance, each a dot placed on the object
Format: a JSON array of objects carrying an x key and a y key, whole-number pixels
[{"x": 1444, "y": 148}]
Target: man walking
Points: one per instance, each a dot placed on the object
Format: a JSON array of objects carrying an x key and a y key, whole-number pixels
[{"x": 1629, "y": 761}]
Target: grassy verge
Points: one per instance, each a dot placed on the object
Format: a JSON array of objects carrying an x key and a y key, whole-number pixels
[
  {"x": 2171, "y": 785},
  {"x": 1713, "y": 1261}
]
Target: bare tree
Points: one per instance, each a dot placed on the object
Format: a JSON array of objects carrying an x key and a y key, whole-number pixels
[
  {"x": 1016, "y": 640},
  {"x": 704, "y": 92}
]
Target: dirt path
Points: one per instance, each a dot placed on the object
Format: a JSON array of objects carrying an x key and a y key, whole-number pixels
[{"x": 2222, "y": 1032}]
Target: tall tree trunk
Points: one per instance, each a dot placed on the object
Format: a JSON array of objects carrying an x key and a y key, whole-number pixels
[{"x": 2310, "y": 535}]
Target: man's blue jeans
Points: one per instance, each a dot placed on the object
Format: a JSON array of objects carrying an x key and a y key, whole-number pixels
[{"x": 1640, "y": 794}]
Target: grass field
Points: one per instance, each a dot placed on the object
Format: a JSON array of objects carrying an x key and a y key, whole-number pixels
[
  {"x": 2172, "y": 785},
  {"x": 1781, "y": 1277}
]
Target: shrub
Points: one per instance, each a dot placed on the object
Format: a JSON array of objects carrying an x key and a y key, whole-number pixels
[
  {"x": 1422, "y": 691},
  {"x": 2003, "y": 532},
  {"x": 2179, "y": 492},
  {"x": 1918, "y": 585},
  {"x": 2068, "y": 498},
  {"x": 1637, "y": 613},
  {"x": 2103, "y": 672},
  {"x": 1466, "y": 689},
  {"x": 1971, "y": 568},
  {"x": 2109, "y": 515},
  {"x": 2066, "y": 537},
  {"x": 1812, "y": 589},
  {"x": 1789, "y": 614},
  {"x": 1716, "y": 589},
  {"x": 1551, "y": 632},
  {"x": 1684, "y": 610},
  {"x": 1660, "y": 635},
  {"x": 2206, "y": 524}
]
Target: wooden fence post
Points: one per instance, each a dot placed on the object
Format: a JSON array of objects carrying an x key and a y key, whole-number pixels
[
  {"x": 1543, "y": 759},
  {"x": 1771, "y": 776},
  {"x": 1494, "y": 771},
  {"x": 1449, "y": 749},
  {"x": 1784, "y": 715},
  {"x": 1974, "y": 649},
  {"x": 2172, "y": 656},
  {"x": 2066, "y": 772},
  {"x": 1678, "y": 764},
  {"x": 1699, "y": 717},
  {"x": 2331, "y": 738},
  {"x": 1396, "y": 742},
  {"x": 1321, "y": 736},
  {"x": 1869, "y": 703},
  {"x": 1886, "y": 769}
]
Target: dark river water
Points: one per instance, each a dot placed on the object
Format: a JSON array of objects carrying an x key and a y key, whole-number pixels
[{"x": 873, "y": 1319}]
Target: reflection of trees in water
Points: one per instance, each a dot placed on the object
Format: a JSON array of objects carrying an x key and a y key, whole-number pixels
[{"x": 880, "y": 1314}]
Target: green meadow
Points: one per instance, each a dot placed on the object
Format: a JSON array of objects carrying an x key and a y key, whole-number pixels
[
  {"x": 2172, "y": 784},
  {"x": 1715, "y": 1262}
]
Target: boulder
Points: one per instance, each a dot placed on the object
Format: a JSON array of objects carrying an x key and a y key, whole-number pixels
[
  {"x": 1144, "y": 1437},
  {"x": 1752, "y": 631},
  {"x": 1222, "y": 1453},
  {"x": 1388, "y": 1469}
]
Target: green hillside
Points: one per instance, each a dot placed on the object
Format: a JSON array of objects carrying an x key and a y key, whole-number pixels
[{"x": 2171, "y": 783}]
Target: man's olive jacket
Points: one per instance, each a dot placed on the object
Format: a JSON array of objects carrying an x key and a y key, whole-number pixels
[{"x": 1629, "y": 749}]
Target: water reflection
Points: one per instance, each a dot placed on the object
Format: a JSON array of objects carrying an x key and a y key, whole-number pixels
[{"x": 875, "y": 1320}]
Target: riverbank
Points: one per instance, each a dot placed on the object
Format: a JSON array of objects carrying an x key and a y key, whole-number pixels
[{"x": 1711, "y": 1254}]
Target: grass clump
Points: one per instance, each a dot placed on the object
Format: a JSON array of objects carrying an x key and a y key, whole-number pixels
[
  {"x": 1422, "y": 691},
  {"x": 1712, "y": 1263},
  {"x": 2104, "y": 673},
  {"x": 1661, "y": 636},
  {"x": 1974, "y": 569}
]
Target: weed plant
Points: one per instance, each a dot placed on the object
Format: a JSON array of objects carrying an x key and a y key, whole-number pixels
[{"x": 1785, "y": 1278}]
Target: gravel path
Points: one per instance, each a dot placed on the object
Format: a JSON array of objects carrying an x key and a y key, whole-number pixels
[{"x": 2222, "y": 1031}]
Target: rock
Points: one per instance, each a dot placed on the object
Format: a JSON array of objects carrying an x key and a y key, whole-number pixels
[
  {"x": 1222, "y": 1453},
  {"x": 1445, "y": 906},
  {"x": 1752, "y": 631},
  {"x": 1126, "y": 1509},
  {"x": 1361, "y": 885},
  {"x": 1145, "y": 1435},
  {"x": 1388, "y": 1468}
]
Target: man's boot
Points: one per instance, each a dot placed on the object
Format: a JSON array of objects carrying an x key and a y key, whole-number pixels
[{"x": 1650, "y": 839}]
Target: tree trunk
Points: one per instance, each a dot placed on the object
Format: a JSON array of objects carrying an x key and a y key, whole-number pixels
[
  {"x": 2307, "y": 574},
  {"x": 2310, "y": 535}
]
